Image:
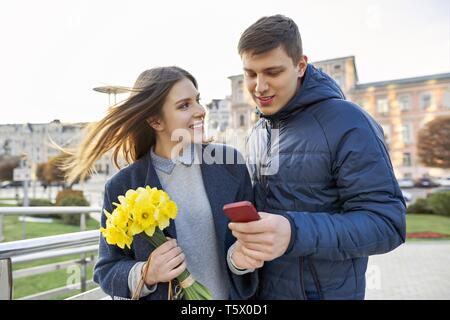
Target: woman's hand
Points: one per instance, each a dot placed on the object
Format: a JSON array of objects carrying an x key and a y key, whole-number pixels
[{"x": 166, "y": 263}]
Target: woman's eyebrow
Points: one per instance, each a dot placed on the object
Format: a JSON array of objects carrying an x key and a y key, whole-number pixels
[{"x": 187, "y": 99}]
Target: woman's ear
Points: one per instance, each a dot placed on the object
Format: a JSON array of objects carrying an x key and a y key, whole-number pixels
[{"x": 156, "y": 124}]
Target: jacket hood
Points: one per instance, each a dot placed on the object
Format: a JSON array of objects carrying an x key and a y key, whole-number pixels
[{"x": 316, "y": 86}]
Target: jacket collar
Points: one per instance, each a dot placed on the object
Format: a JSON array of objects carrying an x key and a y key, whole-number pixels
[{"x": 167, "y": 165}]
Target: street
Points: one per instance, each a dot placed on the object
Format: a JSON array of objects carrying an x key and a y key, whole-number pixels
[{"x": 415, "y": 270}]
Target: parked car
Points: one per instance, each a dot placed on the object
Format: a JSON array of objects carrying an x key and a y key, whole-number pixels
[
  {"x": 426, "y": 183},
  {"x": 407, "y": 196},
  {"x": 444, "y": 182},
  {"x": 406, "y": 183},
  {"x": 11, "y": 184},
  {"x": 5, "y": 184}
]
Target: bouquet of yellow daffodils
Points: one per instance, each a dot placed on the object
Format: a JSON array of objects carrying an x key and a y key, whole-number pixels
[{"x": 148, "y": 211}]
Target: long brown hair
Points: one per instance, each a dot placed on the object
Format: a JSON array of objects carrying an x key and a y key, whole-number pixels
[{"x": 125, "y": 128}]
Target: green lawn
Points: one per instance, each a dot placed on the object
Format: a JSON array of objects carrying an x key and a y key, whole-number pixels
[
  {"x": 12, "y": 231},
  {"x": 46, "y": 281},
  {"x": 427, "y": 223},
  {"x": 4, "y": 204}
]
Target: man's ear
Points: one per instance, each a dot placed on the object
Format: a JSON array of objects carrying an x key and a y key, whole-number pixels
[
  {"x": 156, "y": 124},
  {"x": 302, "y": 65}
]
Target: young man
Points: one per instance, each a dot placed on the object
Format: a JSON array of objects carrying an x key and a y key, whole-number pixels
[{"x": 324, "y": 184}]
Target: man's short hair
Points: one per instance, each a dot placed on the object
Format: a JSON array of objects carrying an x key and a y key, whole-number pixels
[{"x": 269, "y": 33}]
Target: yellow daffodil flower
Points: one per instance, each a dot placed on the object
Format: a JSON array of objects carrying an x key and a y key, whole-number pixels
[{"x": 148, "y": 211}]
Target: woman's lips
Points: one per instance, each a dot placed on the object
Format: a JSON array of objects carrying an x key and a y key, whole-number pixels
[
  {"x": 196, "y": 125},
  {"x": 265, "y": 101}
]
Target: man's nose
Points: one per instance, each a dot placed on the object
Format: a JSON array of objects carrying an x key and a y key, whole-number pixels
[{"x": 261, "y": 84}]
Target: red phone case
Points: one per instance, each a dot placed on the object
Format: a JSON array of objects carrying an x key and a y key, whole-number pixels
[{"x": 242, "y": 211}]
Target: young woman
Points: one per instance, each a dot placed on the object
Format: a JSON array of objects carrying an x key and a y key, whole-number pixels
[{"x": 145, "y": 130}]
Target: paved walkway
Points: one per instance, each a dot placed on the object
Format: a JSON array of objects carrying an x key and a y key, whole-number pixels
[{"x": 415, "y": 270}]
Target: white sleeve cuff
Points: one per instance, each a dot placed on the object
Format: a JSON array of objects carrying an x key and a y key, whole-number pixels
[
  {"x": 232, "y": 266},
  {"x": 135, "y": 276}
]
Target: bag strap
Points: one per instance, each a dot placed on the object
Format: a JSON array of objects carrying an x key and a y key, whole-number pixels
[{"x": 137, "y": 291}]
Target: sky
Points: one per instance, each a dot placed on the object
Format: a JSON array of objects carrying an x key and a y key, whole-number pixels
[{"x": 53, "y": 53}]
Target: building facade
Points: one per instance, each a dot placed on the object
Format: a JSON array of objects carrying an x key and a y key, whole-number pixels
[
  {"x": 243, "y": 113},
  {"x": 402, "y": 107},
  {"x": 35, "y": 141},
  {"x": 218, "y": 118}
]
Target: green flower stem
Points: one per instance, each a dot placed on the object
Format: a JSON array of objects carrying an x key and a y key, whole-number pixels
[{"x": 196, "y": 291}]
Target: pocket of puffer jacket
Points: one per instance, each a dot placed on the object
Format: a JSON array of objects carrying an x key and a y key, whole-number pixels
[{"x": 333, "y": 275}]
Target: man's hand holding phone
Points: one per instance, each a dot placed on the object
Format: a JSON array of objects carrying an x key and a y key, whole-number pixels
[
  {"x": 242, "y": 212},
  {"x": 264, "y": 239}
]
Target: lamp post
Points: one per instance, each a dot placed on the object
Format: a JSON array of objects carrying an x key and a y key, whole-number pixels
[
  {"x": 112, "y": 90},
  {"x": 24, "y": 166}
]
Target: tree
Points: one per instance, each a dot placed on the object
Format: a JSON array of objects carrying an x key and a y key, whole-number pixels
[
  {"x": 433, "y": 145},
  {"x": 7, "y": 165},
  {"x": 52, "y": 171},
  {"x": 40, "y": 169}
]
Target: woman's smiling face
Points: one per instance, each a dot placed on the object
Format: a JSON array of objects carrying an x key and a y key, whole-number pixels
[{"x": 182, "y": 112}]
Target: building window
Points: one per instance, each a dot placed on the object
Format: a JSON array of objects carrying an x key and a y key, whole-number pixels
[
  {"x": 406, "y": 133},
  {"x": 404, "y": 102},
  {"x": 407, "y": 162},
  {"x": 383, "y": 106},
  {"x": 240, "y": 95},
  {"x": 426, "y": 100},
  {"x": 446, "y": 99},
  {"x": 387, "y": 133},
  {"x": 242, "y": 120}
]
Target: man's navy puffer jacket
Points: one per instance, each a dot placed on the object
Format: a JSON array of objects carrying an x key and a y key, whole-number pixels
[{"x": 330, "y": 174}]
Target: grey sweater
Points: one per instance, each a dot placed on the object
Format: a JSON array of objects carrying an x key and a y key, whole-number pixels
[{"x": 196, "y": 234}]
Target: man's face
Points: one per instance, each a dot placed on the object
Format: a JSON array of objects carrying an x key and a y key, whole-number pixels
[{"x": 272, "y": 78}]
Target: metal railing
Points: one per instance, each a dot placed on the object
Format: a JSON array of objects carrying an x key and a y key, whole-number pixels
[{"x": 83, "y": 243}]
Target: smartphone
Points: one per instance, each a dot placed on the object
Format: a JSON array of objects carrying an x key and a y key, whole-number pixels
[{"x": 242, "y": 211}]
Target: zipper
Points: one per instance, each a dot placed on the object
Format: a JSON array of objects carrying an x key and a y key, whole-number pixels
[
  {"x": 266, "y": 162},
  {"x": 316, "y": 279},
  {"x": 302, "y": 279}
]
